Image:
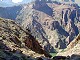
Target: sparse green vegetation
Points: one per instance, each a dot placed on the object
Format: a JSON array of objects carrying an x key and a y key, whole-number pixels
[
  {"x": 63, "y": 50},
  {"x": 53, "y": 54},
  {"x": 0, "y": 18}
]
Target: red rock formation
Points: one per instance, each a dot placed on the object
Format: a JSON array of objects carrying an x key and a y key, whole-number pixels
[{"x": 33, "y": 44}]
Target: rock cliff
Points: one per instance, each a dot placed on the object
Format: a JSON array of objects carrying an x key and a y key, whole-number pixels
[
  {"x": 73, "y": 48},
  {"x": 18, "y": 42},
  {"x": 54, "y": 24}
]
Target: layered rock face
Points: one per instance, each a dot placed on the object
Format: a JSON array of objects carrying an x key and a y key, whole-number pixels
[
  {"x": 17, "y": 43},
  {"x": 73, "y": 48},
  {"x": 53, "y": 24}
]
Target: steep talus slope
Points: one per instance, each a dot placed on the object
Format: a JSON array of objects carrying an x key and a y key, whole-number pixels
[
  {"x": 72, "y": 48},
  {"x": 54, "y": 24},
  {"x": 18, "y": 42}
]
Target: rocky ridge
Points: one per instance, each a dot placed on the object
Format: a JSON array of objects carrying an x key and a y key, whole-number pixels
[{"x": 18, "y": 42}]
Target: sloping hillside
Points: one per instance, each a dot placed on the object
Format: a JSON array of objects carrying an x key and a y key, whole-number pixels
[
  {"x": 10, "y": 12},
  {"x": 18, "y": 42}
]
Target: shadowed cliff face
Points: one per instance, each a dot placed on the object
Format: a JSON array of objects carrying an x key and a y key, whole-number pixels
[
  {"x": 54, "y": 25},
  {"x": 43, "y": 7},
  {"x": 59, "y": 27},
  {"x": 72, "y": 49},
  {"x": 10, "y": 12}
]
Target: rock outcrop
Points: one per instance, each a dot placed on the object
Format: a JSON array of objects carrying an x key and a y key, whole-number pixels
[
  {"x": 72, "y": 57},
  {"x": 73, "y": 48},
  {"x": 17, "y": 41},
  {"x": 53, "y": 24}
]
